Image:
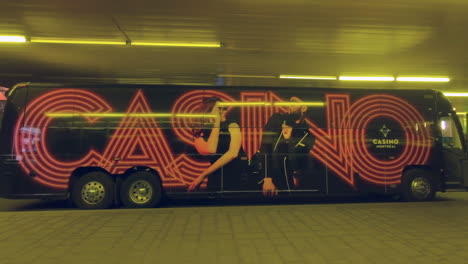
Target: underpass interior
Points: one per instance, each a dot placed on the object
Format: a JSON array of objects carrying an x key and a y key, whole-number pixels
[{"x": 310, "y": 44}]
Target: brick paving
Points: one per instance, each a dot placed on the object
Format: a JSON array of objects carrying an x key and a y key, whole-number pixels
[{"x": 360, "y": 232}]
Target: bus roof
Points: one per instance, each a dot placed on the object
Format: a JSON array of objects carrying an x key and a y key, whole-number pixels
[{"x": 102, "y": 85}]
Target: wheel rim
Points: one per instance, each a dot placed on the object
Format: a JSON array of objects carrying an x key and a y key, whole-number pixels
[
  {"x": 140, "y": 192},
  {"x": 93, "y": 192},
  {"x": 421, "y": 188}
]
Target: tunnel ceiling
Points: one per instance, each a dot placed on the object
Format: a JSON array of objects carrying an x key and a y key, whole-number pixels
[{"x": 261, "y": 39}]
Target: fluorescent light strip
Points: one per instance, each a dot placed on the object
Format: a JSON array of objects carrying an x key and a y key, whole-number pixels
[
  {"x": 423, "y": 79},
  {"x": 307, "y": 77},
  {"x": 76, "y": 41},
  {"x": 366, "y": 78},
  {"x": 456, "y": 94},
  {"x": 15, "y": 39},
  {"x": 136, "y": 43},
  {"x": 246, "y": 76},
  {"x": 126, "y": 115},
  {"x": 178, "y": 44}
]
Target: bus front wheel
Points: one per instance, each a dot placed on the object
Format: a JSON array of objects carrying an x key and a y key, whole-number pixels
[
  {"x": 417, "y": 185},
  {"x": 93, "y": 190},
  {"x": 141, "y": 189}
]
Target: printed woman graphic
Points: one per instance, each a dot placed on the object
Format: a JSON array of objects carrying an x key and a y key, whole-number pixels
[{"x": 223, "y": 138}]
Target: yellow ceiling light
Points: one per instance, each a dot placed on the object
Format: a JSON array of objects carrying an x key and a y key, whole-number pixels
[
  {"x": 178, "y": 44},
  {"x": 76, "y": 41},
  {"x": 15, "y": 39},
  {"x": 368, "y": 78},
  {"x": 423, "y": 79},
  {"x": 456, "y": 94},
  {"x": 246, "y": 76},
  {"x": 135, "y": 43},
  {"x": 299, "y": 104},
  {"x": 307, "y": 77}
]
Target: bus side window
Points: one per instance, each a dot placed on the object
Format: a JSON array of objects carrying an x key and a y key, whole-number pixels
[{"x": 449, "y": 132}]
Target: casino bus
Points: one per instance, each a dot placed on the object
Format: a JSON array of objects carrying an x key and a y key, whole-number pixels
[{"x": 131, "y": 145}]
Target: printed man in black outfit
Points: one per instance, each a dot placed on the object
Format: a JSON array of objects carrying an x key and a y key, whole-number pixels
[{"x": 286, "y": 143}]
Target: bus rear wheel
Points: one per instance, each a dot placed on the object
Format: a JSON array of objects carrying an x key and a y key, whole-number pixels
[
  {"x": 417, "y": 185},
  {"x": 93, "y": 190},
  {"x": 141, "y": 189}
]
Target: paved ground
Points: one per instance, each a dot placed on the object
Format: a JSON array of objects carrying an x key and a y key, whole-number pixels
[{"x": 326, "y": 232}]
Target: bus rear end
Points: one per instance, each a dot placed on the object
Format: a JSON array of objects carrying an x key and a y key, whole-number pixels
[{"x": 13, "y": 183}]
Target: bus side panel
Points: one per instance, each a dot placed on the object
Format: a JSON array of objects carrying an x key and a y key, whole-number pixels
[{"x": 362, "y": 140}]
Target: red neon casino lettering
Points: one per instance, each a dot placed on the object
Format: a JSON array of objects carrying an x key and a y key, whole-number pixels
[{"x": 341, "y": 146}]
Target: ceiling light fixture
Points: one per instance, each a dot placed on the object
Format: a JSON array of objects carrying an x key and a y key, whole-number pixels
[
  {"x": 423, "y": 79},
  {"x": 246, "y": 76},
  {"x": 367, "y": 78},
  {"x": 76, "y": 41},
  {"x": 456, "y": 94},
  {"x": 15, "y": 39},
  {"x": 307, "y": 77},
  {"x": 178, "y": 44},
  {"x": 133, "y": 43}
]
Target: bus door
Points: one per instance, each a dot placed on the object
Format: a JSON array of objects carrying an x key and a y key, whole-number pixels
[{"x": 454, "y": 155}]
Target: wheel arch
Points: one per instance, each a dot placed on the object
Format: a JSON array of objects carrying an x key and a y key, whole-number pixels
[
  {"x": 141, "y": 168},
  {"x": 79, "y": 172},
  {"x": 437, "y": 181},
  {"x": 136, "y": 169},
  {"x": 416, "y": 175}
]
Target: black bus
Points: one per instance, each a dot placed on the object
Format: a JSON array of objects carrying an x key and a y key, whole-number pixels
[{"x": 102, "y": 145}]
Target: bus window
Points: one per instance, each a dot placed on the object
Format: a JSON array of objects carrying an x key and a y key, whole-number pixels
[
  {"x": 450, "y": 136},
  {"x": 463, "y": 116}
]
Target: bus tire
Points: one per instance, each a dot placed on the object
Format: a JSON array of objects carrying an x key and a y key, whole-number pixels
[
  {"x": 93, "y": 190},
  {"x": 141, "y": 189},
  {"x": 417, "y": 185}
]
